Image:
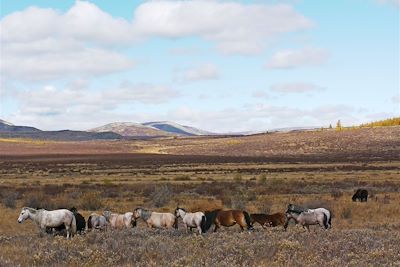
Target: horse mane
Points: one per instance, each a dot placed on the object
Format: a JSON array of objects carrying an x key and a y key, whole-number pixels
[
  {"x": 31, "y": 209},
  {"x": 295, "y": 208},
  {"x": 210, "y": 218},
  {"x": 178, "y": 208},
  {"x": 145, "y": 213}
]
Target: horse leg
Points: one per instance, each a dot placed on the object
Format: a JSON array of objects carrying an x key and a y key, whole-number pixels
[
  {"x": 42, "y": 230},
  {"x": 68, "y": 230},
  {"x": 216, "y": 227},
  {"x": 199, "y": 229},
  {"x": 285, "y": 226}
]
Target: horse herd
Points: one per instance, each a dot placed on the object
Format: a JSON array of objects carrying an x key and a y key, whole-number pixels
[{"x": 71, "y": 221}]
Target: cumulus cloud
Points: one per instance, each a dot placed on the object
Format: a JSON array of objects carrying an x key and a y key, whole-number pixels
[
  {"x": 202, "y": 72},
  {"x": 52, "y": 59},
  {"x": 298, "y": 87},
  {"x": 64, "y": 107},
  {"x": 235, "y": 27},
  {"x": 295, "y": 58},
  {"x": 41, "y": 44}
]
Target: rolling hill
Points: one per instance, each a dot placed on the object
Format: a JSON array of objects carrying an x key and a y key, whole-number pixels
[
  {"x": 8, "y": 130},
  {"x": 130, "y": 129},
  {"x": 150, "y": 129},
  {"x": 175, "y": 128}
]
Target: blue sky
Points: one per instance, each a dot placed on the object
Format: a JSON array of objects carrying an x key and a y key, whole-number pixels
[{"x": 218, "y": 65}]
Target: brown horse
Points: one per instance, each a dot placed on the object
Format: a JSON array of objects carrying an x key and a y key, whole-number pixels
[
  {"x": 227, "y": 218},
  {"x": 269, "y": 220}
]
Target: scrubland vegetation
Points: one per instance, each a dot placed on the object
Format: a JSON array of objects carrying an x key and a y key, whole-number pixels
[{"x": 362, "y": 234}]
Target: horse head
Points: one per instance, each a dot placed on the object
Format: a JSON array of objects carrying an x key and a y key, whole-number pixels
[
  {"x": 179, "y": 212},
  {"x": 137, "y": 213},
  {"x": 73, "y": 210},
  {"x": 107, "y": 214},
  {"x": 23, "y": 215}
]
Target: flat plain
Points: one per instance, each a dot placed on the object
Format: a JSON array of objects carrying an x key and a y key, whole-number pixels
[{"x": 260, "y": 173}]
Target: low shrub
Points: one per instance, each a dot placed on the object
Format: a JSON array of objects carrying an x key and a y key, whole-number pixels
[
  {"x": 91, "y": 201},
  {"x": 161, "y": 196},
  {"x": 10, "y": 200},
  {"x": 346, "y": 213}
]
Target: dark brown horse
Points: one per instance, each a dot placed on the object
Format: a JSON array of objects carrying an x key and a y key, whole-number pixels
[
  {"x": 269, "y": 220},
  {"x": 227, "y": 218}
]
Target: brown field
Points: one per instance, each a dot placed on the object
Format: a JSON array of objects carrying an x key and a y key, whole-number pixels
[{"x": 261, "y": 173}]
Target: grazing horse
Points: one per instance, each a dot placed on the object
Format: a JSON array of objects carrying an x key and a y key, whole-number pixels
[
  {"x": 156, "y": 219},
  {"x": 96, "y": 221},
  {"x": 269, "y": 220},
  {"x": 119, "y": 221},
  {"x": 306, "y": 219},
  {"x": 80, "y": 224},
  {"x": 360, "y": 194},
  {"x": 54, "y": 218},
  {"x": 227, "y": 218},
  {"x": 191, "y": 220},
  {"x": 299, "y": 209}
]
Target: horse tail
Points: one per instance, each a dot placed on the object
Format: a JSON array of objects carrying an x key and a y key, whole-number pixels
[
  {"x": 73, "y": 225},
  {"x": 210, "y": 219},
  {"x": 248, "y": 220},
  {"x": 89, "y": 222},
  {"x": 203, "y": 224},
  {"x": 326, "y": 221},
  {"x": 176, "y": 223},
  {"x": 330, "y": 220}
]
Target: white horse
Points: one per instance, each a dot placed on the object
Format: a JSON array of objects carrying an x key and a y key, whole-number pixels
[
  {"x": 156, "y": 219},
  {"x": 46, "y": 218},
  {"x": 306, "y": 219},
  {"x": 97, "y": 221},
  {"x": 191, "y": 220},
  {"x": 120, "y": 221},
  {"x": 323, "y": 210}
]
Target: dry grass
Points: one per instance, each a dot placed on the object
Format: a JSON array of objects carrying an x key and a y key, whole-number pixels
[
  {"x": 142, "y": 247},
  {"x": 365, "y": 234}
]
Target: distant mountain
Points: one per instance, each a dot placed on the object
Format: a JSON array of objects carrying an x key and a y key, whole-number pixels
[
  {"x": 8, "y": 130},
  {"x": 9, "y": 127},
  {"x": 64, "y": 135},
  {"x": 5, "y": 122},
  {"x": 175, "y": 128},
  {"x": 130, "y": 129},
  {"x": 150, "y": 129}
]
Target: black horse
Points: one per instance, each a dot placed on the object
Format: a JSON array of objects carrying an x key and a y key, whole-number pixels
[
  {"x": 80, "y": 224},
  {"x": 361, "y": 195}
]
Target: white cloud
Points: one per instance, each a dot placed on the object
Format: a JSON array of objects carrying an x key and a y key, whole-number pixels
[
  {"x": 202, "y": 72},
  {"x": 395, "y": 3},
  {"x": 258, "y": 117},
  {"x": 295, "y": 58},
  {"x": 83, "y": 21},
  {"x": 235, "y": 27},
  {"x": 42, "y": 44},
  {"x": 299, "y": 87},
  {"x": 76, "y": 105},
  {"x": 52, "y": 59}
]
